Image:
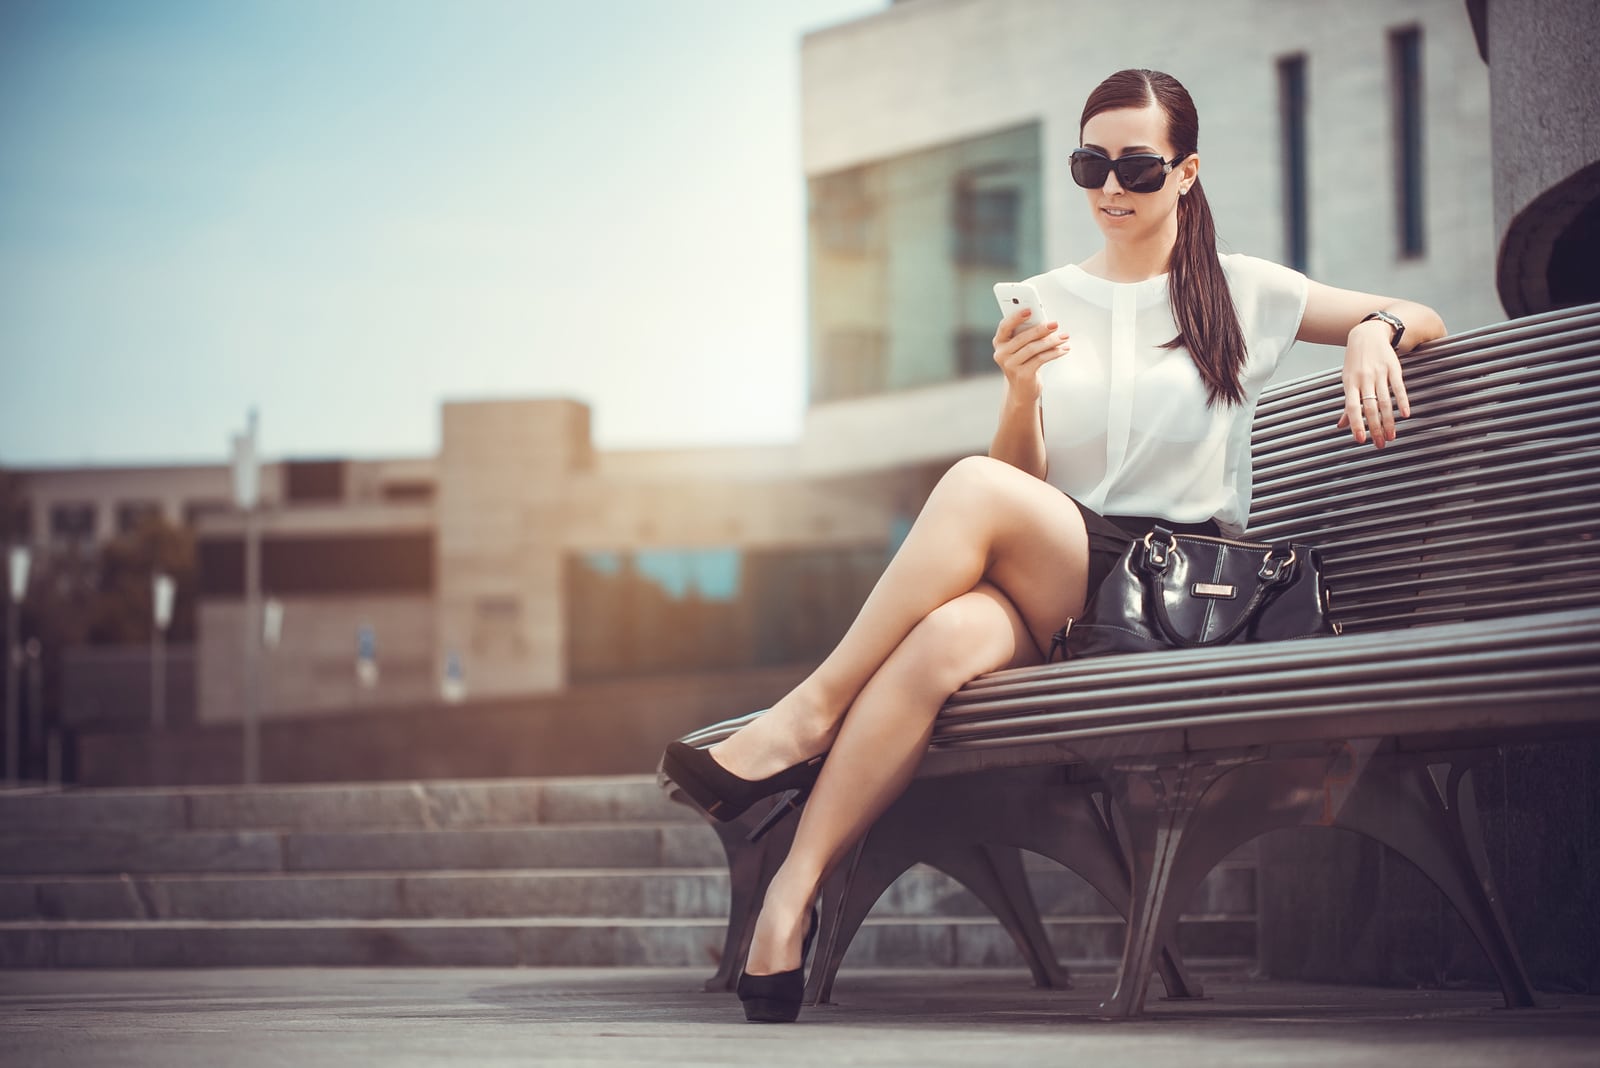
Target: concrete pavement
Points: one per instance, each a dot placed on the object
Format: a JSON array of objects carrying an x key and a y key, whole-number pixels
[{"x": 307, "y": 1017}]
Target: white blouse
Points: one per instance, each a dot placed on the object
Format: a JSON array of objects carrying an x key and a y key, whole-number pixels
[{"x": 1126, "y": 427}]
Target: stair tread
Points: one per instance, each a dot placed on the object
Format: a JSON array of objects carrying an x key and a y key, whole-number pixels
[
  {"x": 360, "y": 873},
  {"x": 559, "y": 921}
]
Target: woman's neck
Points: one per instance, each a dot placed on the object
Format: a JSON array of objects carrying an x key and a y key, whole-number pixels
[{"x": 1121, "y": 261}]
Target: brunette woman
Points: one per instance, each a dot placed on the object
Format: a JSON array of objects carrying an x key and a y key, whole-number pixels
[{"x": 1133, "y": 404}]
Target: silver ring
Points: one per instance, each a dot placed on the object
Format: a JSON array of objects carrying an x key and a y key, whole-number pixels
[{"x": 1371, "y": 398}]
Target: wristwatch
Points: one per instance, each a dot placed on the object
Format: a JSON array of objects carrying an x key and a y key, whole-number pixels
[{"x": 1395, "y": 324}]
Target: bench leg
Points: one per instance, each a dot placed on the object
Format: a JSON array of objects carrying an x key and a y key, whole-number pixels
[
  {"x": 1434, "y": 824},
  {"x": 1158, "y": 806},
  {"x": 1183, "y": 819},
  {"x": 1080, "y": 837},
  {"x": 930, "y": 824}
]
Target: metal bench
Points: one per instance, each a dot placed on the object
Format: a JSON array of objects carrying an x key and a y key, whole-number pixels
[{"x": 1465, "y": 572}]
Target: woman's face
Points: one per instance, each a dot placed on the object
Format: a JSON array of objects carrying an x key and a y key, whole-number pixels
[{"x": 1123, "y": 216}]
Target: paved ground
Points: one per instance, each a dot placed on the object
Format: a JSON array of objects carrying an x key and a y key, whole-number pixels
[{"x": 491, "y": 1016}]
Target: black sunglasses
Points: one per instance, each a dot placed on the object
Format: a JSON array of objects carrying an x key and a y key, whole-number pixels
[{"x": 1142, "y": 173}]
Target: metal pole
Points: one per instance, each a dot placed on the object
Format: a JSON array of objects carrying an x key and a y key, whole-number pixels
[
  {"x": 13, "y": 678},
  {"x": 252, "y": 645},
  {"x": 36, "y": 748},
  {"x": 158, "y": 679}
]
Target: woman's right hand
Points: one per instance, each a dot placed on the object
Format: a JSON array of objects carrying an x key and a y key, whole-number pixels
[{"x": 1022, "y": 349}]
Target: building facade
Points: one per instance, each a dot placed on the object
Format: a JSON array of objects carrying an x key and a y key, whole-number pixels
[{"x": 1349, "y": 140}]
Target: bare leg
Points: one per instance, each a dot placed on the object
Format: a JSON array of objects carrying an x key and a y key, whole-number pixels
[
  {"x": 878, "y": 748},
  {"x": 984, "y": 521}
]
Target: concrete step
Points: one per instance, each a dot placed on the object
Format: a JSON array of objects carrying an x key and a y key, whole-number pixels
[
  {"x": 344, "y": 806},
  {"x": 881, "y": 943},
  {"x": 700, "y": 893},
  {"x": 621, "y": 845}
]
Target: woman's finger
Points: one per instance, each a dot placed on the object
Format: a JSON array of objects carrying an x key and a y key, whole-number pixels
[
  {"x": 1385, "y": 404},
  {"x": 1352, "y": 413},
  {"x": 1021, "y": 336},
  {"x": 1043, "y": 353},
  {"x": 1397, "y": 382},
  {"x": 1024, "y": 349}
]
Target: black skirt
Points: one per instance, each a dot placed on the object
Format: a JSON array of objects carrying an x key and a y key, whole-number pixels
[{"x": 1110, "y": 536}]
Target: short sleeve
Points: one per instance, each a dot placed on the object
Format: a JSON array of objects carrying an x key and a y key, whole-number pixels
[{"x": 1271, "y": 300}]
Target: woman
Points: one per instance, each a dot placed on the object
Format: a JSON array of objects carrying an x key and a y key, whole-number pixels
[{"x": 1134, "y": 402}]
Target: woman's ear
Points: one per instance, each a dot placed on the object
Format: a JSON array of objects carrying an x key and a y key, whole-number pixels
[{"x": 1186, "y": 172}]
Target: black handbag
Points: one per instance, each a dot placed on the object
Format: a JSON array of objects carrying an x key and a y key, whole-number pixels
[{"x": 1189, "y": 591}]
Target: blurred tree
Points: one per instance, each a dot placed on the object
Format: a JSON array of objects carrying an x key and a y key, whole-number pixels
[{"x": 120, "y": 612}]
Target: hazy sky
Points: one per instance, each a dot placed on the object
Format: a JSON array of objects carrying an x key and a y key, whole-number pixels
[{"x": 346, "y": 211}]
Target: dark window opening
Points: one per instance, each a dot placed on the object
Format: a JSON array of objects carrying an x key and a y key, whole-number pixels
[
  {"x": 413, "y": 492},
  {"x": 975, "y": 353},
  {"x": 21, "y": 529},
  {"x": 1292, "y": 126},
  {"x": 72, "y": 522},
  {"x": 309, "y": 481},
  {"x": 668, "y": 611},
  {"x": 386, "y": 563},
  {"x": 1405, "y": 64},
  {"x": 131, "y": 515}
]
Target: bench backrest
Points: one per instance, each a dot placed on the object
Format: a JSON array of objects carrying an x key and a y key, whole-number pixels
[{"x": 1487, "y": 504}]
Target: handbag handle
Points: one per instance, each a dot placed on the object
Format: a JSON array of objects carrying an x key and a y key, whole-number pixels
[{"x": 1154, "y": 563}]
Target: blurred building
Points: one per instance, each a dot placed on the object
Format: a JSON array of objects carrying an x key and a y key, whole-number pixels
[{"x": 1349, "y": 140}]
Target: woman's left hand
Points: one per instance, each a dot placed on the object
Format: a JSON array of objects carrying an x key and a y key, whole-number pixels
[{"x": 1373, "y": 385}]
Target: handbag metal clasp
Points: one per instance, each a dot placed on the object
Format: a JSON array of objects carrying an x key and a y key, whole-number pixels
[
  {"x": 1273, "y": 568},
  {"x": 1156, "y": 555}
]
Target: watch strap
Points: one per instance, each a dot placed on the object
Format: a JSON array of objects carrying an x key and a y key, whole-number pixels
[{"x": 1395, "y": 325}]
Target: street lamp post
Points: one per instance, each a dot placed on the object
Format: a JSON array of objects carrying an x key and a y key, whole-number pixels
[
  {"x": 247, "y": 495},
  {"x": 162, "y": 589},
  {"x": 18, "y": 562}
]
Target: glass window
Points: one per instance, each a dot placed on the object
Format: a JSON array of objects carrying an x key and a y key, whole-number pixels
[
  {"x": 903, "y": 256},
  {"x": 986, "y": 226},
  {"x": 408, "y": 492},
  {"x": 72, "y": 522},
  {"x": 975, "y": 353},
  {"x": 667, "y": 611},
  {"x": 132, "y": 514},
  {"x": 844, "y": 217},
  {"x": 308, "y": 566},
  {"x": 21, "y": 530},
  {"x": 1405, "y": 66},
  {"x": 1292, "y": 124}
]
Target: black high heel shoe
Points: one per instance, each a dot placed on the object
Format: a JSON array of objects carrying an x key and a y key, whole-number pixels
[
  {"x": 776, "y": 998},
  {"x": 726, "y": 796}
]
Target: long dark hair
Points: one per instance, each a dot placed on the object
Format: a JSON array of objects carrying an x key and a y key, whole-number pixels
[{"x": 1208, "y": 323}]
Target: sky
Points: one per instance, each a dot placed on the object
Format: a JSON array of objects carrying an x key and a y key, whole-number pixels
[{"x": 344, "y": 212}]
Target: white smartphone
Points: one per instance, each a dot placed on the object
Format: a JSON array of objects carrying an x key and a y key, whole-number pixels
[{"x": 1014, "y": 296}]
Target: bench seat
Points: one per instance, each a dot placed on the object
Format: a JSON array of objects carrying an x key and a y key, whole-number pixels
[{"x": 1465, "y": 572}]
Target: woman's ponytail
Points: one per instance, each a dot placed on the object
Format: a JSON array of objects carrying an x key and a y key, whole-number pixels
[{"x": 1202, "y": 307}]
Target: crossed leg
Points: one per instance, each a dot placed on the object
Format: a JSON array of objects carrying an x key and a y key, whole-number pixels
[{"x": 993, "y": 565}]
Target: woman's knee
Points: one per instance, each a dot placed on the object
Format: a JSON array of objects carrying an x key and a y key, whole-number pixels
[
  {"x": 956, "y": 642},
  {"x": 975, "y": 471}
]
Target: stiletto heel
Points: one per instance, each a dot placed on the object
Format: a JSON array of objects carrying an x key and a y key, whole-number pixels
[
  {"x": 789, "y": 802},
  {"x": 722, "y": 793},
  {"x": 776, "y": 998}
]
